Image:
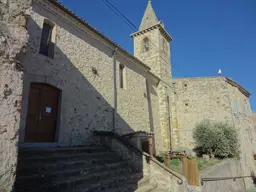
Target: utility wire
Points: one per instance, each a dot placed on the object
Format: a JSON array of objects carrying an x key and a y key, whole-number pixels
[
  {"x": 134, "y": 28},
  {"x": 119, "y": 14}
]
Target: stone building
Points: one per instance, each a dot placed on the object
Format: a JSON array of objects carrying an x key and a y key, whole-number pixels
[
  {"x": 72, "y": 80},
  {"x": 254, "y": 120},
  {"x": 218, "y": 99},
  {"x": 93, "y": 82}
]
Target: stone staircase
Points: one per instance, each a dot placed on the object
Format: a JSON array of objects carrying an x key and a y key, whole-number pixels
[{"x": 91, "y": 168}]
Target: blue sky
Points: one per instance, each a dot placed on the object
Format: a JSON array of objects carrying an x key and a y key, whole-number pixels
[{"x": 207, "y": 34}]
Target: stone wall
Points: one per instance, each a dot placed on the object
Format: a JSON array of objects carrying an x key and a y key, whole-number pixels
[
  {"x": 13, "y": 39},
  {"x": 254, "y": 121},
  {"x": 227, "y": 168},
  {"x": 87, "y": 99},
  {"x": 159, "y": 175},
  {"x": 244, "y": 125},
  {"x": 196, "y": 99},
  {"x": 158, "y": 58}
]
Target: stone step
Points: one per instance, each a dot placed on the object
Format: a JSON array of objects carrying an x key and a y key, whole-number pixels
[
  {"x": 57, "y": 158},
  {"x": 81, "y": 183},
  {"x": 159, "y": 190},
  {"x": 144, "y": 181},
  {"x": 51, "y": 177},
  {"x": 44, "y": 152},
  {"x": 30, "y": 169},
  {"x": 123, "y": 188},
  {"x": 112, "y": 184},
  {"x": 74, "y": 171},
  {"x": 146, "y": 188}
]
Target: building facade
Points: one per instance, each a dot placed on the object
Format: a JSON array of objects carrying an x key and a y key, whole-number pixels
[
  {"x": 254, "y": 120},
  {"x": 217, "y": 99},
  {"x": 152, "y": 46},
  {"x": 77, "y": 80},
  {"x": 74, "y": 80}
]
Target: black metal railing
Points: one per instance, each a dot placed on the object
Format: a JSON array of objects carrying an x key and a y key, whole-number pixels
[{"x": 224, "y": 178}]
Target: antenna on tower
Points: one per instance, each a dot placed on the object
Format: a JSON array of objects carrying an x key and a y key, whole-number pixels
[{"x": 220, "y": 72}]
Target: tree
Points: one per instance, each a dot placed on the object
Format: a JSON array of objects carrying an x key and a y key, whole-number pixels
[{"x": 216, "y": 138}]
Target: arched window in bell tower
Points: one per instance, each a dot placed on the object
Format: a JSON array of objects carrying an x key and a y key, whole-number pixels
[{"x": 146, "y": 44}]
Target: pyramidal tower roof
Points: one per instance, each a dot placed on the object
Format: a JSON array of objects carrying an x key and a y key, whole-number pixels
[{"x": 149, "y": 19}]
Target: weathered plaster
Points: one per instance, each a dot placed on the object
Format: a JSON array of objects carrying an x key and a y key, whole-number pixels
[{"x": 13, "y": 39}]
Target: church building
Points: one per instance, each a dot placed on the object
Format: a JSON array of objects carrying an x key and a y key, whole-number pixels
[{"x": 76, "y": 81}]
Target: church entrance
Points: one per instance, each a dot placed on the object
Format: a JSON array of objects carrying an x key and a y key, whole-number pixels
[{"x": 42, "y": 114}]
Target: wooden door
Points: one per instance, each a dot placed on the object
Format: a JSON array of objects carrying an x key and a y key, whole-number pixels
[{"x": 42, "y": 113}]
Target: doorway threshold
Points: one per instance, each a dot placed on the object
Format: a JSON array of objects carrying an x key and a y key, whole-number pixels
[{"x": 40, "y": 145}]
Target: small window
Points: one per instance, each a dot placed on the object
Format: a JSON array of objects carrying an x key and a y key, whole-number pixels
[
  {"x": 122, "y": 76},
  {"x": 47, "y": 43},
  {"x": 250, "y": 134},
  {"x": 236, "y": 106},
  {"x": 146, "y": 44}
]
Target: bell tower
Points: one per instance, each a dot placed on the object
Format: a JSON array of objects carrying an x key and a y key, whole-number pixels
[{"x": 152, "y": 46}]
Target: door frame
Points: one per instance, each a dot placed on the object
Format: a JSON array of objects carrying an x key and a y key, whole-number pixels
[{"x": 57, "y": 128}]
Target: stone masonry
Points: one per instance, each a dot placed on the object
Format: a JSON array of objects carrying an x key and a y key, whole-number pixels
[
  {"x": 218, "y": 99},
  {"x": 158, "y": 58},
  {"x": 103, "y": 87},
  {"x": 13, "y": 39},
  {"x": 254, "y": 120}
]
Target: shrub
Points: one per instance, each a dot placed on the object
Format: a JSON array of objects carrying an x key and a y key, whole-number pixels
[{"x": 216, "y": 138}]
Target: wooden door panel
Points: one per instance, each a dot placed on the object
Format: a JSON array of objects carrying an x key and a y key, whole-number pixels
[
  {"x": 49, "y": 114},
  {"x": 33, "y": 113},
  {"x": 42, "y": 113}
]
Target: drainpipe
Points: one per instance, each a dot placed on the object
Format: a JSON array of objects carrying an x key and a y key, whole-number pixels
[{"x": 115, "y": 90}]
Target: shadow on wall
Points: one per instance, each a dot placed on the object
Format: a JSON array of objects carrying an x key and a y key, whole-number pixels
[{"x": 83, "y": 109}]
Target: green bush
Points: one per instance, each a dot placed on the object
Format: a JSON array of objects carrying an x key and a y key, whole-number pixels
[{"x": 216, "y": 138}]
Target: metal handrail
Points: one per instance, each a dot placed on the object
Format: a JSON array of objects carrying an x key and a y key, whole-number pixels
[
  {"x": 128, "y": 144},
  {"x": 224, "y": 178}
]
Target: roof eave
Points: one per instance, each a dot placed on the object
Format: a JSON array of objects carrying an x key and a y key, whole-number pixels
[
  {"x": 68, "y": 11},
  {"x": 158, "y": 25},
  {"x": 235, "y": 84}
]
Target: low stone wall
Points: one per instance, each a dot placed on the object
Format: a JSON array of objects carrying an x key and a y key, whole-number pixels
[
  {"x": 159, "y": 175},
  {"x": 227, "y": 168}
]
